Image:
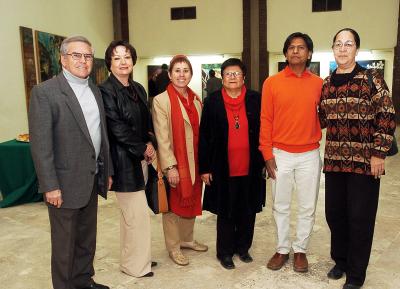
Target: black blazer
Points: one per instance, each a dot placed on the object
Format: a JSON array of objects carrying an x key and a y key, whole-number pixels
[
  {"x": 213, "y": 152},
  {"x": 127, "y": 145}
]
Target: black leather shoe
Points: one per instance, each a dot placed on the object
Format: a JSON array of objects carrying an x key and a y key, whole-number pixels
[
  {"x": 351, "y": 286},
  {"x": 335, "y": 273},
  {"x": 154, "y": 263},
  {"x": 95, "y": 285},
  {"x": 150, "y": 274},
  {"x": 227, "y": 262},
  {"x": 245, "y": 257}
]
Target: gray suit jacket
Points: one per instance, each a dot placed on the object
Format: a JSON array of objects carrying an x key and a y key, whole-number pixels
[{"x": 61, "y": 147}]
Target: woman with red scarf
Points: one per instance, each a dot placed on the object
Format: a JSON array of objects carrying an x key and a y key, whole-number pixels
[
  {"x": 231, "y": 164},
  {"x": 176, "y": 118}
]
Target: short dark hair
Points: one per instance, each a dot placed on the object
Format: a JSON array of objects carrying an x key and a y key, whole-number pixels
[
  {"x": 352, "y": 31},
  {"x": 307, "y": 39},
  {"x": 164, "y": 66},
  {"x": 178, "y": 59},
  {"x": 211, "y": 73},
  {"x": 233, "y": 62},
  {"x": 110, "y": 50}
]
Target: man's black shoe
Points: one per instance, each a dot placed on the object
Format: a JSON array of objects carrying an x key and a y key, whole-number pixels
[
  {"x": 95, "y": 285},
  {"x": 335, "y": 273},
  {"x": 351, "y": 286},
  {"x": 227, "y": 262},
  {"x": 245, "y": 257}
]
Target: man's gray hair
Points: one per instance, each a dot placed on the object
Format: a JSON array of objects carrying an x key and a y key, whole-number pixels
[{"x": 68, "y": 40}]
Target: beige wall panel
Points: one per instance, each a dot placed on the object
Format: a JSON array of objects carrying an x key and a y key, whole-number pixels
[
  {"x": 217, "y": 29},
  {"x": 91, "y": 18},
  {"x": 375, "y": 21}
]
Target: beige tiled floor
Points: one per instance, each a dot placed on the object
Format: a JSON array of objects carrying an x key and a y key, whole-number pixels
[{"x": 25, "y": 250}]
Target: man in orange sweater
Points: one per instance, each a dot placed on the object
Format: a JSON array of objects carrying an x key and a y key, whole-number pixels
[{"x": 289, "y": 141}]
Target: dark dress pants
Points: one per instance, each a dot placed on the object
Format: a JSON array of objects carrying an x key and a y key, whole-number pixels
[
  {"x": 73, "y": 245},
  {"x": 235, "y": 230},
  {"x": 351, "y": 202}
]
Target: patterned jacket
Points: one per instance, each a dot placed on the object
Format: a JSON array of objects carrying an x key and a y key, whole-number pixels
[{"x": 360, "y": 121}]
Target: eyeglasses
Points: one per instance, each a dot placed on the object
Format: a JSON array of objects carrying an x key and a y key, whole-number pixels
[
  {"x": 339, "y": 45},
  {"x": 233, "y": 74},
  {"x": 78, "y": 56}
]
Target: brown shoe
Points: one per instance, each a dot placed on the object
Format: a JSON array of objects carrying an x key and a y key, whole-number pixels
[
  {"x": 277, "y": 261},
  {"x": 300, "y": 263}
]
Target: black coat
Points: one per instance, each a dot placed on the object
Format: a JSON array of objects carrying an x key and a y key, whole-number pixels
[
  {"x": 213, "y": 153},
  {"x": 127, "y": 140}
]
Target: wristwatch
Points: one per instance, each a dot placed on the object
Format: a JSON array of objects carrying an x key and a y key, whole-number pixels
[{"x": 170, "y": 168}]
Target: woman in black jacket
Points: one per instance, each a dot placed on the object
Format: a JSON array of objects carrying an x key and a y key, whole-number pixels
[
  {"x": 132, "y": 149},
  {"x": 231, "y": 164}
]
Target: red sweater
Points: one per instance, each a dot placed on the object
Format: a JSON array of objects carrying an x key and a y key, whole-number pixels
[
  {"x": 289, "y": 119},
  {"x": 238, "y": 134}
]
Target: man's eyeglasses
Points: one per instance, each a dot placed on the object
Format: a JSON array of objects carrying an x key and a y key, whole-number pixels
[
  {"x": 347, "y": 45},
  {"x": 78, "y": 56},
  {"x": 233, "y": 74}
]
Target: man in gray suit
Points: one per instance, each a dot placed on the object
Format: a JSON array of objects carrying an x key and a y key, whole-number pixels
[{"x": 70, "y": 151}]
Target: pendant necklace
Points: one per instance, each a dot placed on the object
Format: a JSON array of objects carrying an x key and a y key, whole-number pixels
[{"x": 236, "y": 117}]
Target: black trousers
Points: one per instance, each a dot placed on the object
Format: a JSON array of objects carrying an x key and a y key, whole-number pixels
[
  {"x": 351, "y": 202},
  {"x": 235, "y": 231},
  {"x": 73, "y": 245}
]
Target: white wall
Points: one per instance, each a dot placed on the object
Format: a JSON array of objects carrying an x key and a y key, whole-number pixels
[
  {"x": 375, "y": 21},
  {"x": 90, "y": 18},
  {"x": 217, "y": 29}
]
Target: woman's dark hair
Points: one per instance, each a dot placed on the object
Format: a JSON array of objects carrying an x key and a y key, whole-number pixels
[
  {"x": 110, "y": 50},
  {"x": 352, "y": 31},
  {"x": 307, "y": 39},
  {"x": 233, "y": 62},
  {"x": 178, "y": 59}
]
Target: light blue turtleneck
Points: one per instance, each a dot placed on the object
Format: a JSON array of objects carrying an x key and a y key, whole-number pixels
[{"x": 88, "y": 105}]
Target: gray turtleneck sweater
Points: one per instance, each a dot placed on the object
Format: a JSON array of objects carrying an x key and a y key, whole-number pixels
[{"x": 89, "y": 107}]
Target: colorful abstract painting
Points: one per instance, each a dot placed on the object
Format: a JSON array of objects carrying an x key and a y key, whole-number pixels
[
  {"x": 28, "y": 61},
  {"x": 99, "y": 72},
  {"x": 48, "y": 54},
  {"x": 379, "y": 65}
]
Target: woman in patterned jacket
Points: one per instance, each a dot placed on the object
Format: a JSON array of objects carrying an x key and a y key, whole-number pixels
[{"x": 357, "y": 110}]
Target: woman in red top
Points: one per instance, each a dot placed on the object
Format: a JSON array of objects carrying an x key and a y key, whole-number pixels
[
  {"x": 176, "y": 118},
  {"x": 230, "y": 162}
]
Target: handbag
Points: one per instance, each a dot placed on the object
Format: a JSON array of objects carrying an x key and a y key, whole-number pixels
[{"x": 157, "y": 190}]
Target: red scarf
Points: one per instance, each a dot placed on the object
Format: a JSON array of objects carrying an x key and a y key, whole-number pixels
[
  {"x": 185, "y": 190},
  {"x": 238, "y": 138}
]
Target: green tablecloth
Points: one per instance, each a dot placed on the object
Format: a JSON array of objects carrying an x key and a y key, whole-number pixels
[{"x": 18, "y": 181}]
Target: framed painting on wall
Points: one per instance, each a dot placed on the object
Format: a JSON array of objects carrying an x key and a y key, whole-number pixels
[
  {"x": 379, "y": 65},
  {"x": 205, "y": 68},
  {"x": 28, "y": 61},
  {"x": 314, "y": 67},
  {"x": 99, "y": 71},
  {"x": 48, "y": 54}
]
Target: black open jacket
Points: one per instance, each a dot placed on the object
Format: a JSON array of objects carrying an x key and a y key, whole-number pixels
[
  {"x": 213, "y": 153},
  {"x": 129, "y": 129}
]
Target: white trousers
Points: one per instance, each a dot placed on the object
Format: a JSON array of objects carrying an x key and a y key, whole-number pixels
[
  {"x": 135, "y": 231},
  {"x": 300, "y": 171}
]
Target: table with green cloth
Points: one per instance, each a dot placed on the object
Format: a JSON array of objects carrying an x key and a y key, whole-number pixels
[{"x": 18, "y": 181}]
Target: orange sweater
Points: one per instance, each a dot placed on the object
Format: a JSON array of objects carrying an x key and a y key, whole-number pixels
[{"x": 289, "y": 119}]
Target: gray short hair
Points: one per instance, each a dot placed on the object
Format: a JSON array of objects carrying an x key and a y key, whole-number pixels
[{"x": 68, "y": 40}]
